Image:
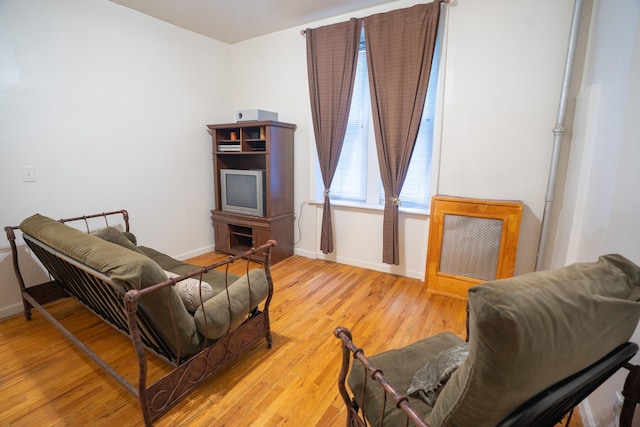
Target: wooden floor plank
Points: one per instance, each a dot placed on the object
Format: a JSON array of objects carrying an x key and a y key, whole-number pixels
[{"x": 45, "y": 380}]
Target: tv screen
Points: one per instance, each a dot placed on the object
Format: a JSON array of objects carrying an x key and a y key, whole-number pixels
[{"x": 242, "y": 191}]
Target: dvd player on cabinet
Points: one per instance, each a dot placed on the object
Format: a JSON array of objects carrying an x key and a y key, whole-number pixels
[
  {"x": 255, "y": 115},
  {"x": 229, "y": 147}
]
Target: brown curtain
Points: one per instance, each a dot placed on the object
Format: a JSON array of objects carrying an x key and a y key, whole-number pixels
[
  {"x": 400, "y": 48},
  {"x": 332, "y": 56}
]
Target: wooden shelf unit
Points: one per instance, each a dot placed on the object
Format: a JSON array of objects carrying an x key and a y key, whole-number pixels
[{"x": 257, "y": 145}]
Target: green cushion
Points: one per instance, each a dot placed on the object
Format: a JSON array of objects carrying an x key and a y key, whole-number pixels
[
  {"x": 399, "y": 367},
  {"x": 213, "y": 319},
  {"x": 126, "y": 268},
  {"x": 131, "y": 237},
  {"x": 165, "y": 261},
  {"x": 113, "y": 235},
  {"x": 529, "y": 332},
  {"x": 215, "y": 278}
]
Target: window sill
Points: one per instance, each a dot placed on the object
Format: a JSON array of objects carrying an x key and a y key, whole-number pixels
[{"x": 366, "y": 206}]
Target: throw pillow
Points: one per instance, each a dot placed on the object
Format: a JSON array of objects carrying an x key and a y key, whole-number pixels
[
  {"x": 429, "y": 380},
  {"x": 132, "y": 237},
  {"x": 113, "y": 235},
  {"x": 189, "y": 291}
]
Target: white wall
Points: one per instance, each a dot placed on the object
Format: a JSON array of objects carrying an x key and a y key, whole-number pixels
[
  {"x": 93, "y": 75},
  {"x": 600, "y": 209},
  {"x": 503, "y": 80},
  {"x": 110, "y": 106},
  {"x": 504, "y": 63}
]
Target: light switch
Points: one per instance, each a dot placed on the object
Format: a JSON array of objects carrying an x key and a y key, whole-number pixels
[{"x": 28, "y": 173}]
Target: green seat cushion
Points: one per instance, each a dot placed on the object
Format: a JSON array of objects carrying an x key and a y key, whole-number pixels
[
  {"x": 192, "y": 291},
  {"x": 528, "y": 332},
  {"x": 215, "y": 317},
  {"x": 398, "y": 366},
  {"x": 212, "y": 319},
  {"x": 221, "y": 313},
  {"x": 214, "y": 277},
  {"x": 166, "y": 262}
]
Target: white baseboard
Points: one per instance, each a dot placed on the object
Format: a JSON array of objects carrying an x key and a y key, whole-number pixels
[
  {"x": 585, "y": 414},
  {"x": 11, "y": 310},
  {"x": 304, "y": 253},
  {"x": 194, "y": 253},
  {"x": 384, "y": 268}
]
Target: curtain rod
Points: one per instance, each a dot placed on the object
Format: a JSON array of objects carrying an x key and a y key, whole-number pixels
[{"x": 304, "y": 32}]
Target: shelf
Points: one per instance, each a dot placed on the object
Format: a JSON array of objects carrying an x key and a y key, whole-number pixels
[
  {"x": 242, "y": 234},
  {"x": 228, "y": 134},
  {"x": 254, "y": 133},
  {"x": 228, "y": 146},
  {"x": 255, "y": 145},
  {"x": 266, "y": 146}
]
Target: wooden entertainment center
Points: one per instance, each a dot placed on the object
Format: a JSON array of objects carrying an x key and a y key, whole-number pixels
[{"x": 254, "y": 146}]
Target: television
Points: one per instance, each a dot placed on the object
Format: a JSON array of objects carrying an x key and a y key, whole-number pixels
[{"x": 243, "y": 191}]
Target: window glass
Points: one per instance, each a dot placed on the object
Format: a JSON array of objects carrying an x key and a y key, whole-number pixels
[
  {"x": 357, "y": 178},
  {"x": 350, "y": 180}
]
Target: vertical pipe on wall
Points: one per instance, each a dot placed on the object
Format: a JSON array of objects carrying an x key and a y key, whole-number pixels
[{"x": 558, "y": 132}]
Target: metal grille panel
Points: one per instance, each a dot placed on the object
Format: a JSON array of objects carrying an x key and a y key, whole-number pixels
[{"x": 475, "y": 257}]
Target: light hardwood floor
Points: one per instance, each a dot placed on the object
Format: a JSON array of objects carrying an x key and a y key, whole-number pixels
[{"x": 46, "y": 381}]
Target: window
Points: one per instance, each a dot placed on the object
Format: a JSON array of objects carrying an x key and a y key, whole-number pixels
[
  {"x": 357, "y": 178},
  {"x": 351, "y": 177}
]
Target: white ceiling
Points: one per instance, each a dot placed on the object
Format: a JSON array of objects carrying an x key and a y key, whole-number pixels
[{"x": 231, "y": 21}]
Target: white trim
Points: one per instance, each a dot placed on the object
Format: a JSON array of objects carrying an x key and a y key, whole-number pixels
[
  {"x": 384, "y": 268},
  {"x": 585, "y": 414},
  {"x": 11, "y": 310},
  {"x": 305, "y": 253},
  {"x": 194, "y": 253}
]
